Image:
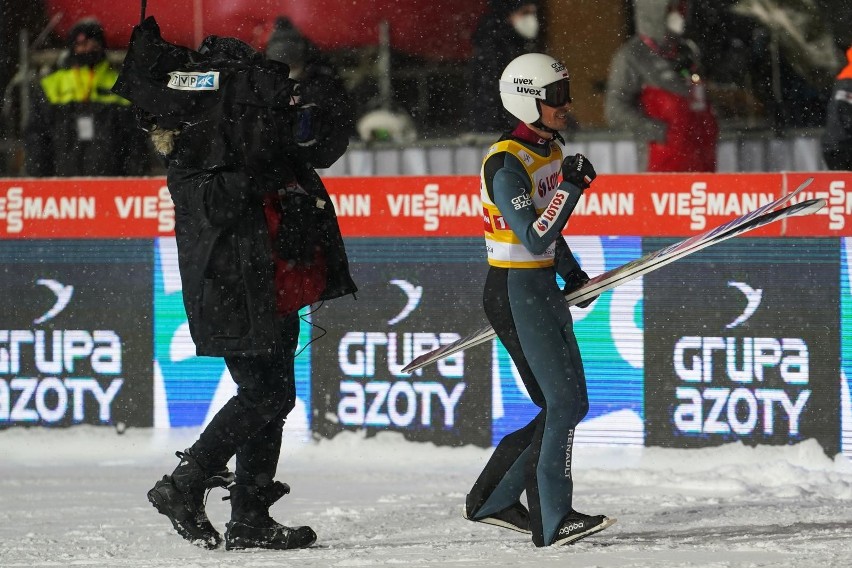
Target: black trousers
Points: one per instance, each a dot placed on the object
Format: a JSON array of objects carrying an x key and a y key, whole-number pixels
[{"x": 250, "y": 424}]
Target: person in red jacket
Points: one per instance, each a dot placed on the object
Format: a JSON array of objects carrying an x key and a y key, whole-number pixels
[
  {"x": 837, "y": 136},
  {"x": 655, "y": 91}
]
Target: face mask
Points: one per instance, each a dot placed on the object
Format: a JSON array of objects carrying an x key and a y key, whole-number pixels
[
  {"x": 89, "y": 59},
  {"x": 675, "y": 23},
  {"x": 526, "y": 26}
]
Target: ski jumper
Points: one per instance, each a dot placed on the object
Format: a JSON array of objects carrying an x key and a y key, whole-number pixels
[{"x": 525, "y": 210}]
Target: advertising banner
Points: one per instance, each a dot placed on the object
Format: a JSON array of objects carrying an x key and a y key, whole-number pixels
[
  {"x": 413, "y": 297},
  {"x": 85, "y": 208},
  {"x": 742, "y": 343},
  {"x": 75, "y": 333},
  {"x": 655, "y": 205},
  {"x": 638, "y": 205},
  {"x": 846, "y": 344}
]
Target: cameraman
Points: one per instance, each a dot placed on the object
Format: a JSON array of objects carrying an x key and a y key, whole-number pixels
[{"x": 257, "y": 240}]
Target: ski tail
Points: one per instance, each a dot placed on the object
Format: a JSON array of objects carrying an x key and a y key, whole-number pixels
[{"x": 759, "y": 217}]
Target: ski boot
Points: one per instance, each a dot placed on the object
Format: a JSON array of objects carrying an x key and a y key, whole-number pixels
[
  {"x": 180, "y": 496},
  {"x": 577, "y": 525},
  {"x": 252, "y": 527},
  {"x": 514, "y": 517}
]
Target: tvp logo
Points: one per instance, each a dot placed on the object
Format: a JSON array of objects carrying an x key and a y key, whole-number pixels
[
  {"x": 76, "y": 341},
  {"x": 194, "y": 81},
  {"x": 742, "y": 343}
]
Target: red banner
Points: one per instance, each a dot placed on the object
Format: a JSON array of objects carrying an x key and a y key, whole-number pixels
[{"x": 439, "y": 206}]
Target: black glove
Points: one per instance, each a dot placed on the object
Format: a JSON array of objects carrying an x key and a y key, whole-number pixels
[
  {"x": 574, "y": 280},
  {"x": 578, "y": 170}
]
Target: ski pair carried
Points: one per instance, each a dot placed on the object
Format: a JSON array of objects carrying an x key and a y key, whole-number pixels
[{"x": 652, "y": 261}]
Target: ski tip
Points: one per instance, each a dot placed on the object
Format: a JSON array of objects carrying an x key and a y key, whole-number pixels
[
  {"x": 804, "y": 184},
  {"x": 808, "y": 207}
]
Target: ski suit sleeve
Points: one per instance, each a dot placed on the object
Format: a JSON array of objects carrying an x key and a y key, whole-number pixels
[
  {"x": 536, "y": 232},
  {"x": 622, "y": 109},
  {"x": 566, "y": 263}
]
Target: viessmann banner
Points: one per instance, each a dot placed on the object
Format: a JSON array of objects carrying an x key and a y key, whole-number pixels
[{"x": 438, "y": 206}]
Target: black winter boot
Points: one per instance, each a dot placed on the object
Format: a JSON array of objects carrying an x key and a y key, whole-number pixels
[
  {"x": 252, "y": 527},
  {"x": 180, "y": 497},
  {"x": 576, "y": 526}
]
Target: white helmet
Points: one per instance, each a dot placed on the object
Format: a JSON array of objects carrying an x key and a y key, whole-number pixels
[{"x": 531, "y": 78}]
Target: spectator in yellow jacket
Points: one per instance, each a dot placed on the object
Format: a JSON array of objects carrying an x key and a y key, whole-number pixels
[{"x": 77, "y": 126}]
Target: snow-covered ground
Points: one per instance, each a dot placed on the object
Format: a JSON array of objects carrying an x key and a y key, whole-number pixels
[{"x": 76, "y": 497}]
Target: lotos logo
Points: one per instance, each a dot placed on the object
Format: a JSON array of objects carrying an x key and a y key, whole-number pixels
[
  {"x": 547, "y": 183},
  {"x": 553, "y": 208},
  {"x": 194, "y": 81}
]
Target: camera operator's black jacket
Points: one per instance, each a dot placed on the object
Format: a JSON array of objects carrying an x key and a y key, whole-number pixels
[
  {"x": 234, "y": 151},
  {"x": 226, "y": 259}
]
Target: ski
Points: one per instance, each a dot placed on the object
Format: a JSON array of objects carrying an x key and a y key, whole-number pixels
[{"x": 645, "y": 264}]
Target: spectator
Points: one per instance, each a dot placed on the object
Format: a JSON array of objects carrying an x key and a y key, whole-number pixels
[
  {"x": 837, "y": 138},
  {"x": 77, "y": 126},
  {"x": 655, "y": 91},
  {"x": 319, "y": 83},
  {"x": 509, "y": 29}
]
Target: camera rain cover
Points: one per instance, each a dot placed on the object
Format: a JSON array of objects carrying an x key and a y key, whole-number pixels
[{"x": 176, "y": 84}]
